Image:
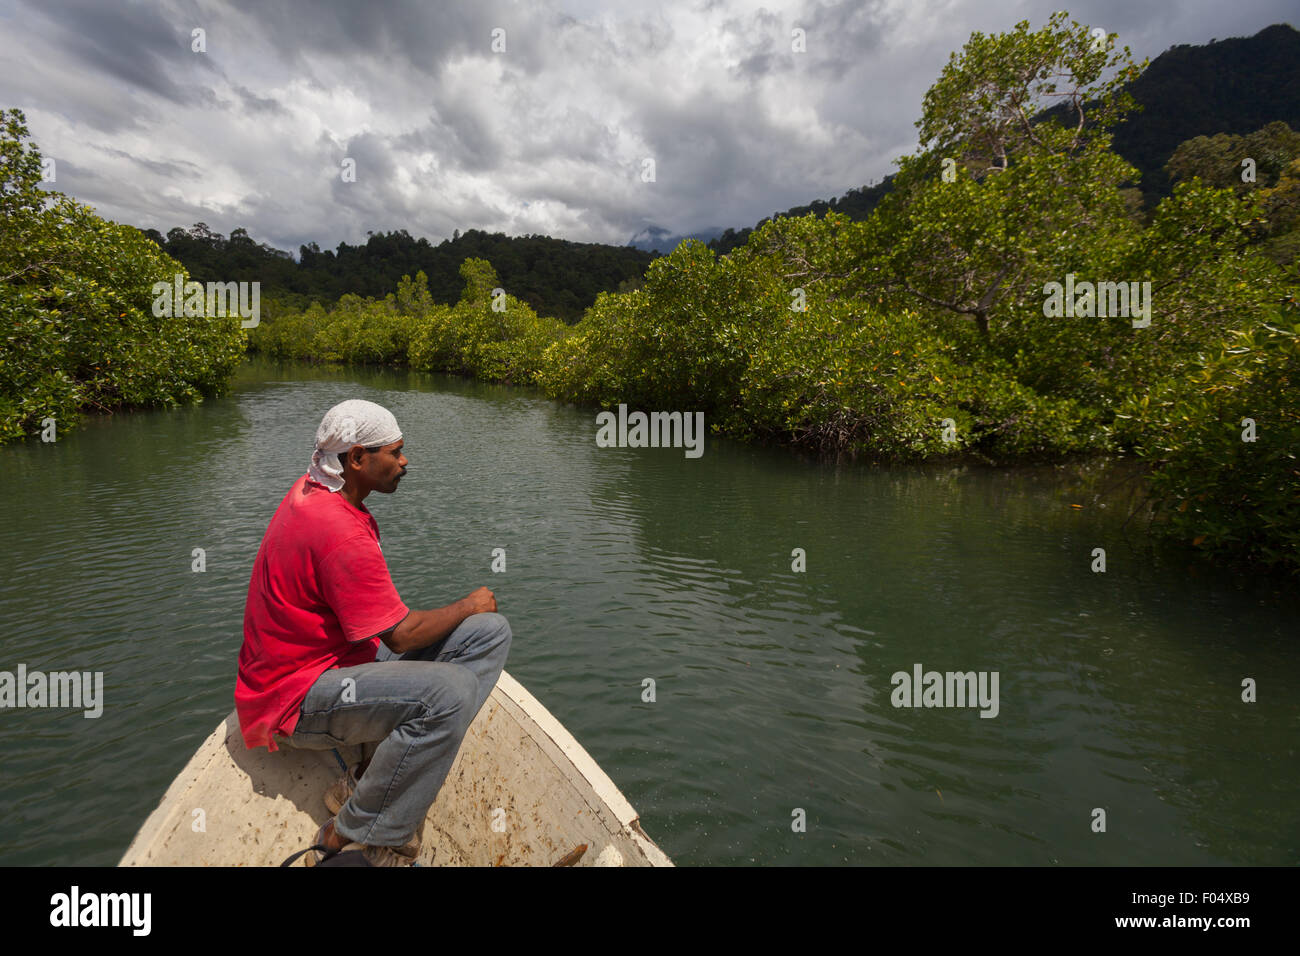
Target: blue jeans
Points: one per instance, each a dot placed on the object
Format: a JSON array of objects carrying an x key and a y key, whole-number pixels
[{"x": 418, "y": 706}]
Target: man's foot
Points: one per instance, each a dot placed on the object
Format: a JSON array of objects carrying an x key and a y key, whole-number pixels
[
  {"x": 387, "y": 856},
  {"x": 334, "y": 842},
  {"x": 331, "y": 838},
  {"x": 342, "y": 788},
  {"x": 340, "y": 792},
  {"x": 375, "y": 855}
]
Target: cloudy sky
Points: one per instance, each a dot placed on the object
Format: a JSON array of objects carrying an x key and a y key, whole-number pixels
[{"x": 548, "y": 135}]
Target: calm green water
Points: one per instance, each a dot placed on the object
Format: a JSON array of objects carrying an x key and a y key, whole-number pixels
[{"x": 1119, "y": 690}]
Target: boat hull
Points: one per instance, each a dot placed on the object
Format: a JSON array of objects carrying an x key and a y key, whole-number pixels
[{"x": 521, "y": 792}]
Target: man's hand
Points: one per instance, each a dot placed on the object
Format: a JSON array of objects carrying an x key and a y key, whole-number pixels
[
  {"x": 481, "y": 601},
  {"x": 419, "y": 629}
]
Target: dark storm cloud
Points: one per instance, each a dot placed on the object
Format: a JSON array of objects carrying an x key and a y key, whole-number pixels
[
  {"x": 765, "y": 36},
  {"x": 101, "y": 188},
  {"x": 259, "y": 104},
  {"x": 415, "y": 36},
  {"x": 375, "y": 174},
  {"x": 841, "y": 35},
  {"x": 468, "y": 137},
  {"x": 164, "y": 168},
  {"x": 133, "y": 45}
]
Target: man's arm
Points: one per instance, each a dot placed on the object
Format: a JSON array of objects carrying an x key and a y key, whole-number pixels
[{"x": 419, "y": 629}]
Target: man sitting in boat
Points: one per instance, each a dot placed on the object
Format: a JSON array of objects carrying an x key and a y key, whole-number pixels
[{"x": 332, "y": 657}]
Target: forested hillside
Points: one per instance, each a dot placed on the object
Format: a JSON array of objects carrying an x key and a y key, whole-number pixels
[{"x": 554, "y": 276}]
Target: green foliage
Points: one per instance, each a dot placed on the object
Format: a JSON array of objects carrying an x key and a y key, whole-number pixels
[
  {"x": 485, "y": 335},
  {"x": 364, "y": 331},
  {"x": 723, "y": 336},
  {"x": 1280, "y": 206},
  {"x": 998, "y": 204},
  {"x": 496, "y": 336},
  {"x": 846, "y": 378},
  {"x": 1212, "y": 487},
  {"x": 76, "y": 305},
  {"x": 981, "y": 109},
  {"x": 1217, "y": 160},
  {"x": 982, "y": 249},
  {"x": 679, "y": 342},
  {"x": 288, "y": 333}
]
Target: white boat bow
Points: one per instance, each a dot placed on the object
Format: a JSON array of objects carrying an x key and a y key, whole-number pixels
[{"x": 522, "y": 792}]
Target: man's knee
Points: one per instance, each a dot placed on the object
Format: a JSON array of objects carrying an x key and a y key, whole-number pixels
[
  {"x": 452, "y": 689},
  {"x": 494, "y": 624}
]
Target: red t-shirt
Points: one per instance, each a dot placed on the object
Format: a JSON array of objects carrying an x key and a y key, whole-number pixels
[{"x": 319, "y": 597}]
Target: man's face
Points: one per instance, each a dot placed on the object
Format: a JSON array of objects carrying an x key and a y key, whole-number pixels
[{"x": 384, "y": 468}]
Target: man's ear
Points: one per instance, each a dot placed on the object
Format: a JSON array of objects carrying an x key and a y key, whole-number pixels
[{"x": 361, "y": 453}]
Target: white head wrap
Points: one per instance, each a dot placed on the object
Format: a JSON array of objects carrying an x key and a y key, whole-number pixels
[{"x": 354, "y": 422}]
